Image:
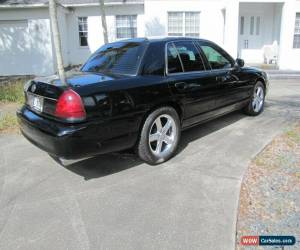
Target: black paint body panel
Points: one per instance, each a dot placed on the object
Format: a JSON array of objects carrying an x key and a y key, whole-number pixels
[{"x": 116, "y": 105}]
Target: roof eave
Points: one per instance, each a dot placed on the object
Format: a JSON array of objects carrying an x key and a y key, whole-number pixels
[
  {"x": 107, "y": 4},
  {"x": 17, "y": 6}
]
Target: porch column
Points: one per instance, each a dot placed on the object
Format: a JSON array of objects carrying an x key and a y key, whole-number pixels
[
  {"x": 287, "y": 34},
  {"x": 231, "y": 27}
]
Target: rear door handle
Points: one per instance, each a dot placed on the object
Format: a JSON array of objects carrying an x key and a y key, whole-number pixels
[
  {"x": 221, "y": 79},
  {"x": 181, "y": 85}
]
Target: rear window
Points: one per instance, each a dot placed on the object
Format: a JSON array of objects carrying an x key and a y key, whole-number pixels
[{"x": 116, "y": 58}]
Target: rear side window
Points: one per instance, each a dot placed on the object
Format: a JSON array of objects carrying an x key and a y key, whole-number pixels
[
  {"x": 216, "y": 58},
  {"x": 190, "y": 56},
  {"x": 174, "y": 63},
  {"x": 154, "y": 60}
]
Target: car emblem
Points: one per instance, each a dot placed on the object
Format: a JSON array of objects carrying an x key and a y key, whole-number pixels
[{"x": 33, "y": 87}]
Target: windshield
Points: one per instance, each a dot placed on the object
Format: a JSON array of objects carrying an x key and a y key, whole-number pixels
[{"x": 116, "y": 58}]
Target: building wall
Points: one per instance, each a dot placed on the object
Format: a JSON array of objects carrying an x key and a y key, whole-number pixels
[
  {"x": 270, "y": 13},
  {"x": 211, "y": 17},
  {"x": 269, "y": 29},
  {"x": 77, "y": 54},
  {"x": 289, "y": 57},
  {"x": 25, "y": 42}
]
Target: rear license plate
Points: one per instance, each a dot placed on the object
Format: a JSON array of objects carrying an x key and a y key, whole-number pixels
[{"x": 35, "y": 102}]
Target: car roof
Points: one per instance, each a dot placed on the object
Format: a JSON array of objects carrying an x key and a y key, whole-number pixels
[{"x": 161, "y": 39}]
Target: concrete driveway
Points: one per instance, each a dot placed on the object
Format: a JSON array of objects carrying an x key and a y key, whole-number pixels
[{"x": 118, "y": 202}]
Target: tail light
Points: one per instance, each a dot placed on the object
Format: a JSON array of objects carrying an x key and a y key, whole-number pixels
[{"x": 69, "y": 106}]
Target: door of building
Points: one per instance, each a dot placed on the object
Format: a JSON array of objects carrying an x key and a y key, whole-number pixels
[{"x": 250, "y": 37}]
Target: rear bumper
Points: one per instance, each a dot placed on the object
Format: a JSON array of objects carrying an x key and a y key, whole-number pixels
[{"x": 71, "y": 141}]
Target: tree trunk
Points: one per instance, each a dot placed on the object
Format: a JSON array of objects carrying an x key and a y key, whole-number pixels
[
  {"x": 56, "y": 40},
  {"x": 103, "y": 20}
]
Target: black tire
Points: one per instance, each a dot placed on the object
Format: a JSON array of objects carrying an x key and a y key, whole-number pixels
[
  {"x": 143, "y": 146},
  {"x": 249, "y": 109}
]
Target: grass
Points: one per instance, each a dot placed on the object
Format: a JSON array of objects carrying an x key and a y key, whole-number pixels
[
  {"x": 12, "y": 92},
  {"x": 11, "y": 96},
  {"x": 8, "y": 121}
]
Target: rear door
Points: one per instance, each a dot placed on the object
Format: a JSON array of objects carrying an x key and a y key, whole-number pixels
[{"x": 189, "y": 80}]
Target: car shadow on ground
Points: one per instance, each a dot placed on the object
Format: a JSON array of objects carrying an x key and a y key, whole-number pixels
[
  {"x": 108, "y": 164},
  {"x": 103, "y": 165},
  {"x": 207, "y": 128}
]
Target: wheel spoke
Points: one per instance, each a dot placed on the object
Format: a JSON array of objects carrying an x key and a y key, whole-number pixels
[
  {"x": 257, "y": 107},
  {"x": 258, "y": 104},
  {"x": 158, "y": 124},
  {"x": 167, "y": 126},
  {"x": 168, "y": 140},
  {"x": 158, "y": 146},
  {"x": 258, "y": 98},
  {"x": 258, "y": 91},
  {"x": 154, "y": 137},
  {"x": 254, "y": 103}
]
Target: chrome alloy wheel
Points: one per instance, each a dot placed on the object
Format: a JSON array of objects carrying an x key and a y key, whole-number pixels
[
  {"x": 162, "y": 135},
  {"x": 258, "y": 98}
]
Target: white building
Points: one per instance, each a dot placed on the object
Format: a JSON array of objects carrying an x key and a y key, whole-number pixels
[{"x": 257, "y": 31}]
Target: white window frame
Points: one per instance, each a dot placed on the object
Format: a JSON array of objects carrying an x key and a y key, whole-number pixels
[
  {"x": 85, "y": 31},
  {"x": 134, "y": 27},
  {"x": 296, "y": 31},
  {"x": 184, "y": 22}
]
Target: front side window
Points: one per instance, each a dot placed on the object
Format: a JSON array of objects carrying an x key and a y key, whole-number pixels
[
  {"x": 121, "y": 58},
  {"x": 126, "y": 26},
  {"x": 216, "y": 58},
  {"x": 296, "y": 44},
  {"x": 184, "y": 24},
  {"x": 190, "y": 56},
  {"x": 83, "y": 31}
]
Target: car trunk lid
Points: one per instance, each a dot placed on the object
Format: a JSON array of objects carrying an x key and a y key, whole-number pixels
[{"x": 42, "y": 94}]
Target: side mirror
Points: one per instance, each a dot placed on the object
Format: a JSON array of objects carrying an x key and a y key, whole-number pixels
[{"x": 239, "y": 63}]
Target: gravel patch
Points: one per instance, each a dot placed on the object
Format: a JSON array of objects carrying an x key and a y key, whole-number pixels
[{"x": 270, "y": 193}]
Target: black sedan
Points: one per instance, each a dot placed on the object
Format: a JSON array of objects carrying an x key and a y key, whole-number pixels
[{"x": 138, "y": 93}]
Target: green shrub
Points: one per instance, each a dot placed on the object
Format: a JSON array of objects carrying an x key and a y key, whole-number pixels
[{"x": 12, "y": 92}]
